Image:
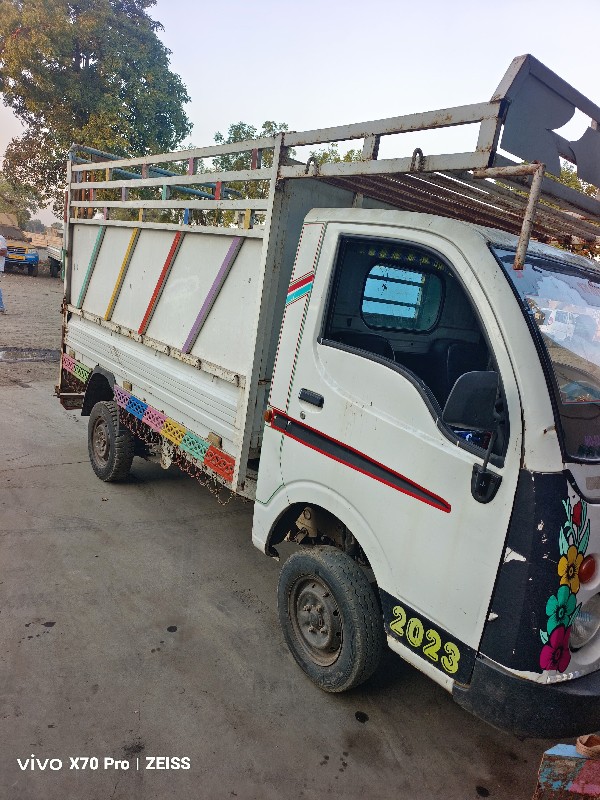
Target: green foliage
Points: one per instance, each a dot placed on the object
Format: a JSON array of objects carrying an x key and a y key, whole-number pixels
[
  {"x": 568, "y": 176},
  {"x": 34, "y": 226},
  {"x": 17, "y": 199},
  {"x": 332, "y": 154},
  {"x": 240, "y": 132},
  {"x": 91, "y": 71}
]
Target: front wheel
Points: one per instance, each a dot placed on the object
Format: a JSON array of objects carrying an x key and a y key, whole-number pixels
[
  {"x": 330, "y": 618},
  {"x": 32, "y": 270},
  {"x": 110, "y": 444}
]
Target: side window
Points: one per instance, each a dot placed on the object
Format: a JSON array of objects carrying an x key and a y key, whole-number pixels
[{"x": 403, "y": 303}]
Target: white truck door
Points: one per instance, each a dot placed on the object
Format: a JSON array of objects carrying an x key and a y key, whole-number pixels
[{"x": 382, "y": 335}]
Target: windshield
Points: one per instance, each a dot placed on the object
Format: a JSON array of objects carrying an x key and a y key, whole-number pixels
[{"x": 564, "y": 301}]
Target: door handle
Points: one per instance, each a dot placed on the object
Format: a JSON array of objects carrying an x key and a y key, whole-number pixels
[{"x": 314, "y": 398}]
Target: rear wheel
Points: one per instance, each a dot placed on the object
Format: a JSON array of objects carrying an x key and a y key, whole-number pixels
[
  {"x": 110, "y": 444},
  {"x": 330, "y": 618},
  {"x": 54, "y": 267},
  {"x": 32, "y": 270}
]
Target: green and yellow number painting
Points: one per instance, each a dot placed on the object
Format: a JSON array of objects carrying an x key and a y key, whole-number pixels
[{"x": 429, "y": 641}]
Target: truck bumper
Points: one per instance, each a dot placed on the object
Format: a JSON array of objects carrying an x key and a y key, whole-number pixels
[{"x": 527, "y": 708}]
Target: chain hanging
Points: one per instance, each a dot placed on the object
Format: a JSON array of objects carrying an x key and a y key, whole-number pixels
[
  {"x": 71, "y": 383},
  {"x": 153, "y": 439}
]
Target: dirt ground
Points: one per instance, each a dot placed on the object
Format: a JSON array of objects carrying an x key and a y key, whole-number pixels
[{"x": 32, "y": 321}]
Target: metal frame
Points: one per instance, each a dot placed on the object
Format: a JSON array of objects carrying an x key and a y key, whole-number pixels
[
  {"x": 482, "y": 186},
  {"x": 458, "y": 185}
]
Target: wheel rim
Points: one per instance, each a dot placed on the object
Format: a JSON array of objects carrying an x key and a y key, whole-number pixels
[
  {"x": 100, "y": 441},
  {"x": 316, "y": 619}
]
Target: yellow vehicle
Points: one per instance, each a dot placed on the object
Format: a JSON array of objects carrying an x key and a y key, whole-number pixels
[{"x": 21, "y": 255}]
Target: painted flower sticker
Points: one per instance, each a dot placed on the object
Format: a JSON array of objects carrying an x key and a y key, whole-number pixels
[
  {"x": 556, "y": 654},
  {"x": 568, "y": 568},
  {"x": 577, "y": 512},
  {"x": 560, "y": 608}
]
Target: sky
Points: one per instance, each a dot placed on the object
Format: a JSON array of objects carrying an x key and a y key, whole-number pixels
[{"x": 318, "y": 63}]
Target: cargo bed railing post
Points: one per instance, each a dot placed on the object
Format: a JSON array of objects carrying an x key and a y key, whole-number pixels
[{"x": 370, "y": 152}]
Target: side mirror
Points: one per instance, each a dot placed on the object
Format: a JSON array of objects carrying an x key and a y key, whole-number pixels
[
  {"x": 472, "y": 405},
  {"x": 472, "y": 401}
]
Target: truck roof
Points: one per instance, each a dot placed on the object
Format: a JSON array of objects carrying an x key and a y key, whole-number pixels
[{"x": 424, "y": 221}]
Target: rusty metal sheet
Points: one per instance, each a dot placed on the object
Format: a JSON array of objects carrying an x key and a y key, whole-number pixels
[
  {"x": 566, "y": 775},
  {"x": 468, "y": 199}
]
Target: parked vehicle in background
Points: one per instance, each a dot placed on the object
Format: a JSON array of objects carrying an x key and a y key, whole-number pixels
[
  {"x": 55, "y": 256},
  {"x": 376, "y": 380},
  {"x": 21, "y": 254}
]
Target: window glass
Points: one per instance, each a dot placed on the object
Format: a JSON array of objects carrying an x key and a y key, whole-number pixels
[
  {"x": 401, "y": 290},
  {"x": 402, "y": 304},
  {"x": 563, "y": 298}
]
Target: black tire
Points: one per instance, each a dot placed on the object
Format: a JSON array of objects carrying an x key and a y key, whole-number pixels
[
  {"x": 330, "y": 618},
  {"x": 54, "y": 268},
  {"x": 32, "y": 270},
  {"x": 110, "y": 444}
]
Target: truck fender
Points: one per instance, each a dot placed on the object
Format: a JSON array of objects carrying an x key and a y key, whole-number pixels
[
  {"x": 273, "y": 519},
  {"x": 99, "y": 387}
]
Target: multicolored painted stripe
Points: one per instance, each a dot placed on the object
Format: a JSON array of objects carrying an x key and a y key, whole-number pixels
[
  {"x": 76, "y": 368},
  {"x": 122, "y": 272},
  {"x": 232, "y": 253},
  {"x": 300, "y": 288},
  {"x": 190, "y": 443},
  {"x": 160, "y": 285},
  {"x": 92, "y": 263}
]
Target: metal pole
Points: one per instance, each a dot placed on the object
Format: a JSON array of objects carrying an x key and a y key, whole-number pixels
[
  {"x": 536, "y": 170},
  {"x": 534, "y": 197}
]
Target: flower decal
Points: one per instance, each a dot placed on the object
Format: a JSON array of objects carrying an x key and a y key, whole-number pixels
[
  {"x": 556, "y": 654},
  {"x": 562, "y": 608},
  {"x": 568, "y": 569},
  {"x": 577, "y": 513}
]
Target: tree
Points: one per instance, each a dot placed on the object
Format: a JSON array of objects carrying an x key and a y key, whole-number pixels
[
  {"x": 239, "y": 132},
  {"x": 568, "y": 176},
  {"x": 332, "y": 154},
  {"x": 34, "y": 226},
  {"x": 87, "y": 71},
  {"x": 19, "y": 200}
]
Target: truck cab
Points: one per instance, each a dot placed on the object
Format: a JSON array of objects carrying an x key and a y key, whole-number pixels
[{"x": 450, "y": 433}]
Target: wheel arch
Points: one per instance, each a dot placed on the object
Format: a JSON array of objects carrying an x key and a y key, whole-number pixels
[
  {"x": 99, "y": 387},
  {"x": 286, "y": 506}
]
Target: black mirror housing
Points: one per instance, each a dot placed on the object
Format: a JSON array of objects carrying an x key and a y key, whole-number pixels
[{"x": 471, "y": 403}]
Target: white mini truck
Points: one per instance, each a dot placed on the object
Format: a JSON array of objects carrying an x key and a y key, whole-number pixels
[{"x": 368, "y": 350}]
